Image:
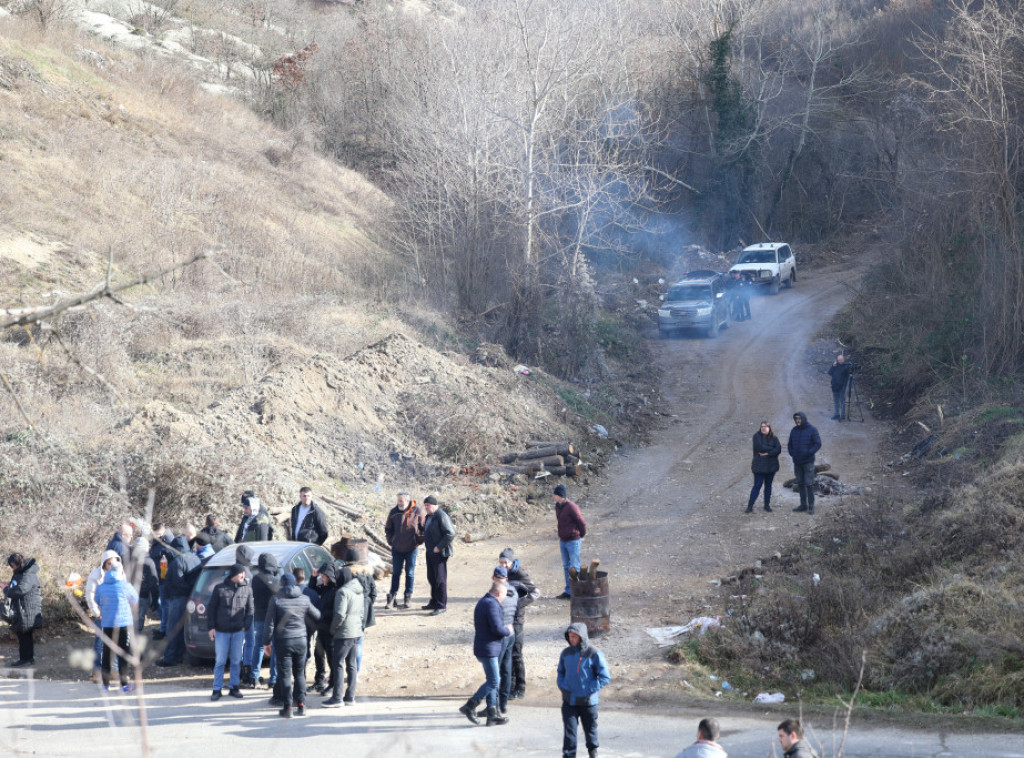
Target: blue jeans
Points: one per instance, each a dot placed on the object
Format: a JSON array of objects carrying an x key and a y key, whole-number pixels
[
  {"x": 164, "y": 608},
  {"x": 257, "y": 655},
  {"x": 805, "y": 483},
  {"x": 570, "y": 558},
  {"x": 505, "y": 670},
  {"x": 359, "y": 654},
  {"x": 175, "y": 650},
  {"x": 398, "y": 560},
  {"x": 489, "y": 689},
  {"x": 839, "y": 403},
  {"x": 571, "y": 716},
  {"x": 225, "y": 645},
  {"x": 249, "y": 646},
  {"x": 766, "y": 480}
]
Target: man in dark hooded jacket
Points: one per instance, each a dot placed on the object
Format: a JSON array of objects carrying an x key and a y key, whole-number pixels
[
  {"x": 285, "y": 627},
  {"x": 326, "y": 586},
  {"x": 162, "y": 554},
  {"x": 219, "y": 539},
  {"x": 582, "y": 672},
  {"x": 181, "y": 577},
  {"x": 804, "y": 442},
  {"x": 518, "y": 579},
  {"x": 243, "y": 556},
  {"x": 265, "y": 584}
]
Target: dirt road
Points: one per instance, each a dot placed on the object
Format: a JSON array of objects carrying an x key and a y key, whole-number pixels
[{"x": 665, "y": 520}]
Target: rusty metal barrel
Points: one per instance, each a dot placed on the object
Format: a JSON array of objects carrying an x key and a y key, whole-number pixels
[
  {"x": 362, "y": 547},
  {"x": 590, "y": 603}
]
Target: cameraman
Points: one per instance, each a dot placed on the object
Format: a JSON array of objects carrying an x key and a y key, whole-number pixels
[{"x": 840, "y": 373}]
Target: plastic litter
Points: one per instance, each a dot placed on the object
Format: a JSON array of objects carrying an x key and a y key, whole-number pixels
[
  {"x": 666, "y": 635},
  {"x": 599, "y": 430},
  {"x": 726, "y": 686},
  {"x": 774, "y": 697},
  {"x": 519, "y": 368}
]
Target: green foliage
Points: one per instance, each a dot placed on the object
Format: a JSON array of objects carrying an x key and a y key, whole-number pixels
[{"x": 617, "y": 338}]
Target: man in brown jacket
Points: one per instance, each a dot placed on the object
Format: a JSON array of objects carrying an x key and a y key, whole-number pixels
[{"x": 404, "y": 533}]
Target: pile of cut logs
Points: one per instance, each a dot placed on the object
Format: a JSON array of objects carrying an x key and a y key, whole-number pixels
[
  {"x": 586, "y": 573},
  {"x": 543, "y": 458}
]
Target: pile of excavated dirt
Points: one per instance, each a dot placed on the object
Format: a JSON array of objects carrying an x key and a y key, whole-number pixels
[{"x": 394, "y": 415}]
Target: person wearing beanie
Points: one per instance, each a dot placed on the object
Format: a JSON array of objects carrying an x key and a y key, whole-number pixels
[
  {"x": 438, "y": 538},
  {"x": 571, "y": 531},
  {"x": 364, "y": 574},
  {"x": 346, "y": 630},
  {"x": 489, "y": 630},
  {"x": 231, "y": 611},
  {"x": 403, "y": 531},
  {"x": 509, "y": 607},
  {"x": 285, "y": 627},
  {"x": 518, "y": 579}
]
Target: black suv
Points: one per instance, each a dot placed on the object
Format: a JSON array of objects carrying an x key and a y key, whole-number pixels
[{"x": 697, "y": 301}]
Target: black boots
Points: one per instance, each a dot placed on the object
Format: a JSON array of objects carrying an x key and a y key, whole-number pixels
[
  {"x": 389, "y": 601},
  {"x": 494, "y": 718},
  {"x": 405, "y": 602},
  {"x": 469, "y": 710}
]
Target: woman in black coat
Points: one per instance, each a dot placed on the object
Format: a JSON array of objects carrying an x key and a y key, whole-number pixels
[
  {"x": 766, "y": 462},
  {"x": 27, "y": 601}
]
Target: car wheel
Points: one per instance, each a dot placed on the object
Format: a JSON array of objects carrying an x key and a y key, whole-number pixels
[
  {"x": 773, "y": 288},
  {"x": 791, "y": 279}
]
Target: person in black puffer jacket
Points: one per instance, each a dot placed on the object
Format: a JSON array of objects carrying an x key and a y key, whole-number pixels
[
  {"x": 804, "y": 442},
  {"x": 326, "y": 586},
  {"x": 767, "y": 449},
  {"x": 27, "y": 602},
  {"x": 285, "y": 627},
  {"x": 265, "y": 584}
]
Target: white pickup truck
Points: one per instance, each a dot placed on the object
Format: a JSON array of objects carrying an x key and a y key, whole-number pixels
[{"x": 768, "y": 263}]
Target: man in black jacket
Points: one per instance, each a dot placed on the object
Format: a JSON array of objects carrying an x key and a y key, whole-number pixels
[
  {"x": 181, "y": 577},
  {"x": 518, "y": 579},
  {"x": 219, "y": 539},
  {"x": 308, "y": 522},
  {"x": 804, "y": 442},
  {"x": 839, "y": 372},
  {"x": 285, "y": 627},
  {"x": 438, "y": 536},
  {"x": 231, "y": 614},
  {"x": 265, "y": 584},
  {"x": 326, "y": 586}
]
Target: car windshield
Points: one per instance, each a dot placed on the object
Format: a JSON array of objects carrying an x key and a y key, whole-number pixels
[
  {"x": 688, "y": 293},
  {"x": 757, "y": 256}
]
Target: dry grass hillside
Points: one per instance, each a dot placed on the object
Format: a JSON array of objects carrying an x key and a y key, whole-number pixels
[{"x": 296, "y": 355}]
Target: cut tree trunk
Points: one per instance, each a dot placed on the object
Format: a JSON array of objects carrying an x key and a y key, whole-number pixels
[{"x": 544, "y": 452}]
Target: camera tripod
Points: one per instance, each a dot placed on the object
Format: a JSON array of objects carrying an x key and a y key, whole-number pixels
[{"x": 854, "y": 406}]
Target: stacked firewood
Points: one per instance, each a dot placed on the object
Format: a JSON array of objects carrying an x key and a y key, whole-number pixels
[{"x": 542, "y": 458}]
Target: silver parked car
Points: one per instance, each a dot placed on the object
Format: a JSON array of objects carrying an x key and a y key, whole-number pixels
[{"x": 290, "y": 555}]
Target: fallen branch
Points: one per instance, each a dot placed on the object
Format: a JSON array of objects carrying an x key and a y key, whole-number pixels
[{"x": 347, "y": 510}]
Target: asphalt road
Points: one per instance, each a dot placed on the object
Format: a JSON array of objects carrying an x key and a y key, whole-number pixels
[{"x": 43, "y": 718}]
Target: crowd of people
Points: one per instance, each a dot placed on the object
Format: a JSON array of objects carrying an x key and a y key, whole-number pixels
[{"x": 261, "y": 610}]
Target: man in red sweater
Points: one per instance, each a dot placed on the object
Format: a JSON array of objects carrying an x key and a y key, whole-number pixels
[{"x": 571, "y": 531}]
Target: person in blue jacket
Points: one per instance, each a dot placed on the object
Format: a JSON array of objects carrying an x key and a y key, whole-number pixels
[
  {"x": 582, "y": 672},
  {"x": 804, "y": 442},
  {"x": 489, "y": 630},
  {"x": 116, "y": 599}
]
